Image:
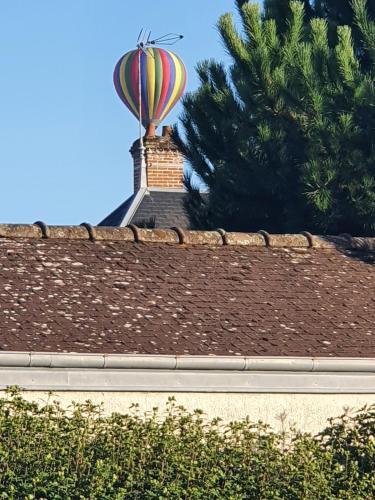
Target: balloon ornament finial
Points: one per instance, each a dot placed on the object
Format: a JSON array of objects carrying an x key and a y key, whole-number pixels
[{"x": 150, "y": 80}]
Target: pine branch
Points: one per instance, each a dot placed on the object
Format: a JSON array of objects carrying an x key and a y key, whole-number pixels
[{"x": 284, "y": 137}]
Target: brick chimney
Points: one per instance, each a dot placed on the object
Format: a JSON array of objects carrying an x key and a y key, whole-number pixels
[{"x": 164, "y": 162}]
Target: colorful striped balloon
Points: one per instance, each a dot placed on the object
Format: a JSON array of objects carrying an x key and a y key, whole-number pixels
[{"x": 163, "y": 80}]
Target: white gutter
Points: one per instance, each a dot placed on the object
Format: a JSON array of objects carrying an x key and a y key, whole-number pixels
[
  {"x": 33, "y": 371},
  {"x": 172, "y": 362}
]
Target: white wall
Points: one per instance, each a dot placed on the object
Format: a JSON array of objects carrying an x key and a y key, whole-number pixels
[{"x": 308, "y": 412}]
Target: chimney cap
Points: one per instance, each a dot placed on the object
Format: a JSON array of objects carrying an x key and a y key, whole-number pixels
[{"x": 150, "y": 130}]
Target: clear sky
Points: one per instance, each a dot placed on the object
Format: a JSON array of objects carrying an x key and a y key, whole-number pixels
[{"x": 64, "y": 133}]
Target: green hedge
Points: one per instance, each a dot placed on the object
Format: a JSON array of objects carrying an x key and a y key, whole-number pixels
[{"x": 46, "y": 452}]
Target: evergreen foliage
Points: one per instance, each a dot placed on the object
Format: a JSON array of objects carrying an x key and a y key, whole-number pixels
[
  {"x": 284, "y": 138},
  {"x": 336, "y": 12},
  {"x": 49, "y": 453},
  {"x": 340, "y": 13}
]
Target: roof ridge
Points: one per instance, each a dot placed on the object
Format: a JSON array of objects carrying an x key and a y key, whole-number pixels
[{"x": 179, "y": 236}]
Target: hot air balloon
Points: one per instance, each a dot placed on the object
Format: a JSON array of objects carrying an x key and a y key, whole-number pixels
[{"x": 163, "y": 80}]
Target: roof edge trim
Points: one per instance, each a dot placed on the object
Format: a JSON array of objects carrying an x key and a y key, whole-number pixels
[
  {"x": 168, "y": 381},
  {"x": 172, "y": 362},
  {"x": 134, "y": 206}
]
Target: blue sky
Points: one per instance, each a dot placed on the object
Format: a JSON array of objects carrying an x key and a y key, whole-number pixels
[{"x": 64, "y": 133}]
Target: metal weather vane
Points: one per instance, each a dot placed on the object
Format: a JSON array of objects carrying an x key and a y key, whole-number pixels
[{"x": 168, "y": 39}]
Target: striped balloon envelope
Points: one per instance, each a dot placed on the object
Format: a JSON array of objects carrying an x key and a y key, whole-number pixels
[{"x": 163, "y": 80}]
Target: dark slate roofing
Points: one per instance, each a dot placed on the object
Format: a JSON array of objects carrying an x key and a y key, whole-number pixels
[
  {"x": 161, "y": 209},
  {"x": 156, "y": 209},
  {"x": 128, "y": 290},
  {"x": 116, "y": 217}
]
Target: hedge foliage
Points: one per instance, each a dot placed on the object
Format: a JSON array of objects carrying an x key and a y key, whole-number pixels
[{"x": 48, "y": 452}]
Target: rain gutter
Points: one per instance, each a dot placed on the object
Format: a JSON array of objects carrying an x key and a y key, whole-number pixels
[{"x": 164, "y": 373}]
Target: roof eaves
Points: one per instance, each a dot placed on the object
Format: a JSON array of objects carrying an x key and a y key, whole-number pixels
[
  {"x": 204, "y": 374},
  {"x": 186, "y": 362}
]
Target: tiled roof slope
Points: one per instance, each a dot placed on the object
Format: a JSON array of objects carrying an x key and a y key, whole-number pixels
[
  {"x": 159, "y": 209},
  {"x": 116, "y": 217},
  {"x": 126, "y": 290},
  {"x": 163, "y": 209}
]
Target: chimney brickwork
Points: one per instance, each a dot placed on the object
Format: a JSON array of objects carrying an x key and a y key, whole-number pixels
[{"x": 164, "y": 162}]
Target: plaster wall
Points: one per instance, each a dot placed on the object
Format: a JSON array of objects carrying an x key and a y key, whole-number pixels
[{"x": 307, "y": 412}]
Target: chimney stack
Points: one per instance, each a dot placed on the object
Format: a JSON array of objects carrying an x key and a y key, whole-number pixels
[{"x": 164, "y": 162}]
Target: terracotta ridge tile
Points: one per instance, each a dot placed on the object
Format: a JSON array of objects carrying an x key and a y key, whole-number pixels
[{"x": 181, "y": 236}]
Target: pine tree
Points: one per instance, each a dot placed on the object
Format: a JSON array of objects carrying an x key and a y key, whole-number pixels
[
  {"x": 279, "y": 11},
  {"x": 283, "y": 139},
  {"x": 341, "y": 13},
  {"x": 336, "y": 12}
]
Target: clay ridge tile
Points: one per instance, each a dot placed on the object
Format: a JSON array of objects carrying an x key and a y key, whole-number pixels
[
  {"x": 181, "y": 236},
  {"x": 20, "y": 231}
]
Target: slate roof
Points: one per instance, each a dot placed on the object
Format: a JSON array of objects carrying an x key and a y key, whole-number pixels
[
  {"x": 116, "y": 217},
  {"x": 165, "y": 208},
  {"x": 129, "y": 290},
  {"x": 159, "y": 209}
]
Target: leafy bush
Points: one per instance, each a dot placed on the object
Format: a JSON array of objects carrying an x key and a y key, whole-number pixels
[{"x": 48, "y": 452}]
